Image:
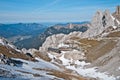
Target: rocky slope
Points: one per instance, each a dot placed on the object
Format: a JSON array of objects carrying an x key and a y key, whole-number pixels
[
  {"x": 31, "y": 64},
  {"x": 94, "y": 52}
]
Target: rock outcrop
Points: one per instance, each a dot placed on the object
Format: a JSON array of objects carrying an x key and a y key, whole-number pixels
[
  {"x": 9, "y": 51},
  {"x": 100, "y": 22},
  {"x": 6, "y": 60},
  {"x": 54, "y": 40},
  {"x": 116, "y": 14}
]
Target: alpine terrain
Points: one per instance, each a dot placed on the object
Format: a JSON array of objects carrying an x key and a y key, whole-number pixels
[{"x": 87, "y": 51}]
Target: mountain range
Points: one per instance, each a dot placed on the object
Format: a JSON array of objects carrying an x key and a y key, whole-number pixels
[
  {"x": 32, "y": 35},
  {"x": 89, "y": 51}
]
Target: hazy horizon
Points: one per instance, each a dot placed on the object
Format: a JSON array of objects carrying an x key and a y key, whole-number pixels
[{"x": 40, "y": 11}]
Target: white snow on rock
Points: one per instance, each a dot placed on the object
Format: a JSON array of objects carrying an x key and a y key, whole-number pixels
[
  {"x": 5, "y": 43},
  {"x": 51, "y": 56},
  {"x": 112, "y": 17},
  {"x": 114, "y": 27},
  {"x": 104, "y": 34},
  {"x": 64, "y": 61},
  {"x": 62, "y": 45},
  {"x": 117, "y": 21},
  {"x": 31, "y": 51},
  {"x": 28, "y": 66},
  {"x": 86, "y": 72},
  {"x": 40, "y": 64},
  {"x": 91, "y": 72},
  {"x": 11, "y": 45},
  {"x": 1, "y": 42},
  {"x": 81, "y": 63},
  {"x": 119, "y": 68}
]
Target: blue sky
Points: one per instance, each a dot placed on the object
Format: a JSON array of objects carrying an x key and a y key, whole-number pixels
[{"x": 52, "y": 10}]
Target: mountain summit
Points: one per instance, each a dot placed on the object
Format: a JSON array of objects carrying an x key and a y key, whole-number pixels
[
  {"x": 117, "y": 13},
  {"x": 100, "y": 22}
]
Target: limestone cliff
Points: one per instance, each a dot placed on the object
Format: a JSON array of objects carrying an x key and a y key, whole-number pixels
[
  {"x": 116, "y": 14},
  {"x": 100, "y": 22}
]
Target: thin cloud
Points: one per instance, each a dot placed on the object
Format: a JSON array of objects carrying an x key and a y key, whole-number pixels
[
  {"x": 46, "y": 7},
  {"x": 53, "y": 3}
]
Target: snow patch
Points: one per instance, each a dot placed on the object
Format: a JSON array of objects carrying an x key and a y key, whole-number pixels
[
  {"x": 45, "y": 64},
  {"x": 17, "y": 50},
  {"x": 27, "y": 67},
  {"x": 62, "y": 45},
  {"x": 32, "y": 50},
  {"x": 114, "y": 27},
  {"x": 81, "y": 63},
  {"x": 64, "y": 61},
  {"x": 40, "y": 64},
  {"x": 112, "y": 17},
  {"x": 91, "y": 72},
  {"x": 117, "y": 21},
  {"x": 11, "y": 46},
  {"x": 63, "y": 52},
  {"x": 1, "y": 42},
  {"x": 51, "y": 56},
  {"x": 119, "y": 68},
  {"x": 104, "y": 34}
]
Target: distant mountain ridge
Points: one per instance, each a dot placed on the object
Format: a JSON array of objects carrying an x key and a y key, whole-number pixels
[
  {"x": 32, "y": 35},
  {"x": 20, "y": 31},
  {"x": 23, "y": 29},
  {"x": 37, "y": 41}
]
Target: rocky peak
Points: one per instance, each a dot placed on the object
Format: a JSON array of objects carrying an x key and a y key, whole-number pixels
[
  {"x": 100, "y": 22},
  {"x": 6, "y": 60},
  {"x": 70, "y": 26},
  {"x": 118, "y": 10},
  {"x": 4, "y": 42},
  {"x": 116, "y": 14},
  {"x": 102, "y": 19}
]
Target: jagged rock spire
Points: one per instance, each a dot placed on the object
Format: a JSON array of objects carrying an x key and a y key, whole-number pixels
[
  {"x": 100, "y": 22},
  {"x": 118, "y": 10},
  {"x": 116, "y": 14}
]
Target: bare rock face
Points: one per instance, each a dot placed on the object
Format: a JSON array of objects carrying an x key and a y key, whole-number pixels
[
  {"x": 5, "y": 60},
  {"x": 4, "y": 42},
  {"x": 52, "y": 41},
  {"x": 55, "y": 40},
  {"x": 100, "y": 22},
  {"x": 118, "y": 10},
  {"x": 116, "y": 14}
]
